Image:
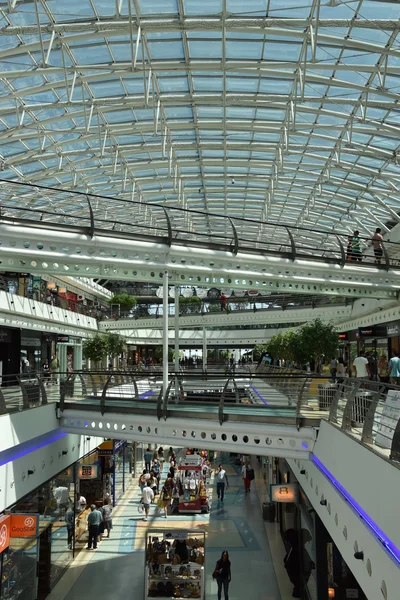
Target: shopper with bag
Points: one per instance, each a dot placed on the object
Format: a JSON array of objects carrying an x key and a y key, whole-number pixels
[
  {"x": 222, "y": 573},
  {"x": 166, "y": 495},
  {"x": 107, "y": 518}
]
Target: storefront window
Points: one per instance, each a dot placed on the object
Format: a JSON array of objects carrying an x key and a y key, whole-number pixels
[
  {"x": 18, "y": 570},
  {"x": 308, "y": 553},
  {"x": 119, "y": 476}
]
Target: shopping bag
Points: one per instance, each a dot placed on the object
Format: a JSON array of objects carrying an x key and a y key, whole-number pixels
[
  {"x": 140, "y": 508},
  {"x": 160, "y": 503}
]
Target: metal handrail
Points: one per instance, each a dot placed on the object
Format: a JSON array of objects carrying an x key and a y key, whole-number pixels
[{"x": 165, "y": 233}]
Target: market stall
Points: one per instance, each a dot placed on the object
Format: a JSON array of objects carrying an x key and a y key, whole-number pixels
[
  {"x": 192, "y": 476},
  {"x": 174, "y": 564}
]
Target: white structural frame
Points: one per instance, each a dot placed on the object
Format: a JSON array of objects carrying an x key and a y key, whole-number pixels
[{"x": 303, "y": 137}]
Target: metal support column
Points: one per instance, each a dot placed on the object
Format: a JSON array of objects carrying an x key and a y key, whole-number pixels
[
  {"x": 204, "y": 349},
  {"x": 176, "y": 330},
  {"x": 165, "y": 332}
]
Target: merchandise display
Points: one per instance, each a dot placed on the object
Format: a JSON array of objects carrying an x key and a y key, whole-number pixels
[
  {"x": 192, "y": 475},
  {"x": 174, "y": 564}
]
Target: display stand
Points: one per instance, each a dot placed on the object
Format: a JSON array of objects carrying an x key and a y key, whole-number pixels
[
  {"x": 190, "y": 472},
  {"x": 174, "y": 564}
]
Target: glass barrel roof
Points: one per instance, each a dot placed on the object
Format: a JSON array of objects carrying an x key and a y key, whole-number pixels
[{"x": 281, "y": 111}]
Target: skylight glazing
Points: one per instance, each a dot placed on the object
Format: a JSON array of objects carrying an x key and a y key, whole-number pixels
[{"x": 277, "y": 110}]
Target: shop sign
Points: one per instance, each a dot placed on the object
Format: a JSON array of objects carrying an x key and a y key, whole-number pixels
[
  {"x": 24, "y": 525},
  {"x": 88, "y": 471},
  {"x": 63, "y": 338},
  {"x": 343, "y": 336},
  {"x": 5, "y": 526},
  {"x": 106, "y": 448},
  {"x": 118, "y": 444},
  {"x": 191, "y": 460},
  {"x": 5, "y": 336},
  {"x": 393, "y": 330},
  {"x": 284, "y": 492},
  {"x": 375, "y": 331},
  {"x": 176, "y": 535}
]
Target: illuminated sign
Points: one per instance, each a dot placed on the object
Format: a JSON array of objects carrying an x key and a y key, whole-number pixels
[
  {"x": 24, "y": 526},
  {"x": 284, "y": 492},
  {"x": 5, "y": 526},
  {"x": 88, "y": 471},
  {"x": 343, "y": 336}
]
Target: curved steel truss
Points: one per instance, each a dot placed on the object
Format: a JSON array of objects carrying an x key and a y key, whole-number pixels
[{"x": 286, "y": 112}]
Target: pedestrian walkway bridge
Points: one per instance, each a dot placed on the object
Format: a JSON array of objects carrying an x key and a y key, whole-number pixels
[{"x": 276, "y": 413}]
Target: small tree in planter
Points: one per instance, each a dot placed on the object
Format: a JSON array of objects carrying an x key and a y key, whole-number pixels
[
  {"x": 189, "y": 305},
  {"x": 95, "y": 349},
  {"x": 115, "y": 344},
  {"x": 125, "y": 301}
]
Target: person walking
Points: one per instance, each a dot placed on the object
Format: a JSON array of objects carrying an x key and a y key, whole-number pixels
[
  {"x": 161, "y": 457},
  {"x": 361, "y": 366},
  {"x": 340, "y": 371},
  {"x": 55, "y": 368},
  {"x": 377, "y": 245},
  {"x": 107, "y": 518},
  {"x": 46, "y": 371},
  {"x": 383, "y": 369},
  {"x": 148, "y": 455},
  {"x": 70, "y": 523},
  {"x": 333, "y": 368},
  {"x": 222, "y": 302},
  {"x": 356, "y": 247},
  {"x": 221, "y": 478},
  {"x": 166, "y": 494},
  {"x": 222, "y": 573},
  {"x": 93, "y": 521},
  {"x": 147, "y": 498},
  {"x": 246, "y": 475},
  {"x": 394, "y": 365}
]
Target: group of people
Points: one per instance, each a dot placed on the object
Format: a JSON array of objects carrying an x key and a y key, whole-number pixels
[
  {"x": 149, "y": 480},
  {"x": 99, "y": 520},
  {"x": 354, "y": 246},
  {"x": 387, "y": 371}
]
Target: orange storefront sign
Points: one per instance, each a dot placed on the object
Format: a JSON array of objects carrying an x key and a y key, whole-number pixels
[
  {"x": 24, "y": 526},
  {"x": 5, "y": 526}
]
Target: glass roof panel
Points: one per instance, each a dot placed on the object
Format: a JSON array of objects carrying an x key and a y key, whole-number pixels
[{"x": 201, "y": 102}]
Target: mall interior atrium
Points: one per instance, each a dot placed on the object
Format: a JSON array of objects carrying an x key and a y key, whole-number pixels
[{"x": 199, "y": 299}]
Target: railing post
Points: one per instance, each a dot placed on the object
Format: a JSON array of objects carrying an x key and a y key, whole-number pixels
[
  {"x": 3, "y": 406},
  {"x": 42, "y": 389},
  {"x": 169, "y": 228},
  {"x": 221, "y": 415},
  {"x": 368, "y": 425},
  {"x": 395, "y": 447},
  {"x": 348, "y": 410},
  {"x": 292, "y": 244},
  {"x": 335, "y": 403},
  {"x": 342, "y": 252},
  {"x": 387, "y": 257},
  {"x": 235, "y": 248},
  {"x": 103, "y": 395},
  {"x": 160, "y": 404}
]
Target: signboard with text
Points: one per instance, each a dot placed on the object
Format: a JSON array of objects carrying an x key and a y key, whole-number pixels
[
  {"x": 24, "y": 525},
  {"x": 284, "y": 492},
  {"x": 5, "y": 531},
  {"x": 88, "y": 471}
]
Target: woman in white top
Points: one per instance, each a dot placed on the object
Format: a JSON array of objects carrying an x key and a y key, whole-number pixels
[{"x": 340, "y": 372}]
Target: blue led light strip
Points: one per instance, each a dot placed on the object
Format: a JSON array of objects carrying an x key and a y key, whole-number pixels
[
  {"x": 386, "y": 542},
  {"x": 259, "y": 395},
  {"x": 25, "y": 448}
]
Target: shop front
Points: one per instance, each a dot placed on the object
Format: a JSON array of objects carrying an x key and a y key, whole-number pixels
[
  {"x": 10, "y": 361},
  {"x": 316, "y": 568},
  {"x": 31, "y": 352},
  {"x": 115, "y": 459}
]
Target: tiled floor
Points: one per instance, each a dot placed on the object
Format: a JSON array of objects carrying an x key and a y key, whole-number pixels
[{"x": 236, "y": 525}]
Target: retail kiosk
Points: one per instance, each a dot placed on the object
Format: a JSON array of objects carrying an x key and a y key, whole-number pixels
[{"x": 174, "y": 564}]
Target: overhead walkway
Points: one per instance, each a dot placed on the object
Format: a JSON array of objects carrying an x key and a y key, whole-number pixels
[
  {"x": 34, "y": 239},
  {"x": 249, "y": 316}
]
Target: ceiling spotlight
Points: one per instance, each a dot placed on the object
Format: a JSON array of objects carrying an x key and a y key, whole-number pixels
[{"x": 232, "y": 181}]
